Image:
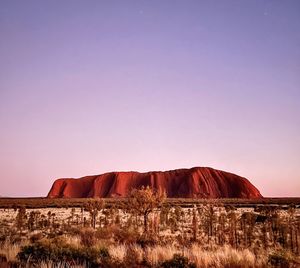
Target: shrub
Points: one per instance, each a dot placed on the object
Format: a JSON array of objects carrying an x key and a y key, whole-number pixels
[
  {"x": 126, "y": 236},
  {"x": 280, "y": 258},
  {"x": 61, "y": 252},
  {"x": 178, "y": 261},
  {"x": 35, "y": 237},
  {"x": 87, "y": 237},
  {"x": 3, "y": 259},
  {"x": 103, "y": 253},
  {"x": 106, "y": 232},
  {"x": 133, "y": 256},
  {"x": 34, "y": 253},
  {"x": 146, "y": 240}
]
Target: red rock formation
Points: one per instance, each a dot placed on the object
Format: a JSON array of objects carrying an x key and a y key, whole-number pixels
[{"x": 201, "y": 182}]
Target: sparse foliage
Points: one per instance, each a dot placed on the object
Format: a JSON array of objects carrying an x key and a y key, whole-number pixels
[
  {"x": 148, "y": 230},
  {"x": 143, "y": 201},
  {"x": 93, "y": 207}
]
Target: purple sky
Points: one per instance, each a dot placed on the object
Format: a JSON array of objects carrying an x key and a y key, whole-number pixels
[{"x": 88, "y": 87}]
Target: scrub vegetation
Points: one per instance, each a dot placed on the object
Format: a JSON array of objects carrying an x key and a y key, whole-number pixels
[{"x": 147, "y": 230}]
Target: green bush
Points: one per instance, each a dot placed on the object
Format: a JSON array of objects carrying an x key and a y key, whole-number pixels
[{"x": 178, "y": 261}]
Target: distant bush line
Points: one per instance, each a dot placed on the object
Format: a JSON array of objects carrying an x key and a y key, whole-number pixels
[{"x": 43, "y": 202}]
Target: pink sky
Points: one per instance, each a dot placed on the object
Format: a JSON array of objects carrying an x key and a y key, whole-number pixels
[{"x": 98, "y": 86}]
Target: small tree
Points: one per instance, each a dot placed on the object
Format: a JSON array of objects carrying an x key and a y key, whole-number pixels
[
  {"x": 21, "y": 218},
  {"x": 93, "y": 207},
  {"x": 143, "y": 201},
  {"x": 210, "y": 217},
  {"x": 195, "y": 225}
]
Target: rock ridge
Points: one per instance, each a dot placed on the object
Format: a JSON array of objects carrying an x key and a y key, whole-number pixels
[{"x": 196, "y": 182}]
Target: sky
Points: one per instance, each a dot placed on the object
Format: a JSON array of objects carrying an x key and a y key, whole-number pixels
[{"x": 88, "y": 87}]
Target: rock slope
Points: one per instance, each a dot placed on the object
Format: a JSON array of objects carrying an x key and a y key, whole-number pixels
[{"x": 197, "y": 182}]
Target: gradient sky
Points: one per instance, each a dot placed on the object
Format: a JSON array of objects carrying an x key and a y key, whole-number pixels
[{"x": 88, "y": 87}]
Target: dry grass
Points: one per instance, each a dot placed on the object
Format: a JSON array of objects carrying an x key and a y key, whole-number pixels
[
  {"x": 122, "y": 238},
  {"x": 73, "y": 240},
  {"x": 50, "y": 264},
  {"x": 10, "y": 251},
  {"x": 118, "y": 252},
  {"x": 201, "y": 257},
  {"x": 157, "y": 254},
  {"x": 220, "y": 256},
  {"x": 137, "y": 252}
]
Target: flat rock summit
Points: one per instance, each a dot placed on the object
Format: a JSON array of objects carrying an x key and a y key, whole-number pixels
[{"x": 197, "y": 182}]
